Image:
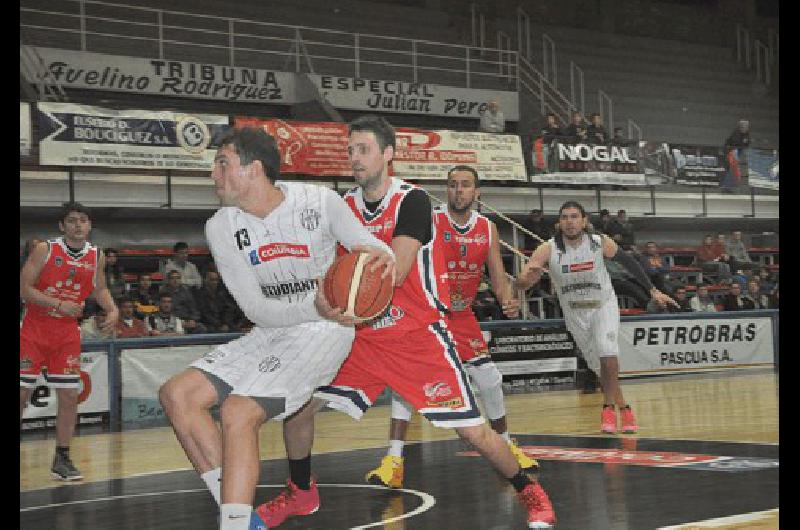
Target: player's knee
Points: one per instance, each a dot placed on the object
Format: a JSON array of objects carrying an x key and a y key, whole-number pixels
[
  {"x": 486, "y": 377},
  {"x": 239, "y": 413},
  {"x": 477, "y": 435}
]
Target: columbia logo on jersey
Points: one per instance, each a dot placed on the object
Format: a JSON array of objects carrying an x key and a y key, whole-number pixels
[
  {"x": 578, "y": 267},
  {"x": 278, "y": 250}
]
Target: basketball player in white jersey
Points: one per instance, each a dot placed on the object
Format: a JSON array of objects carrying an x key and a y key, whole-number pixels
[
  {"x": 574, "y": 260},
  {"x": 271, "y": 243}
]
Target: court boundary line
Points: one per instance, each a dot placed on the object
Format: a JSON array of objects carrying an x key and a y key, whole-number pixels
[{"x": 725, "y": 520}]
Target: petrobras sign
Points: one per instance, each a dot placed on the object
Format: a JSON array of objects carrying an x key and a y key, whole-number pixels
[
  {"x": 82, "y": 135},
  {"x": 99, "y": 71},
  {"x": 661, "y": 346},
  {"x": 412, "y": 98}
]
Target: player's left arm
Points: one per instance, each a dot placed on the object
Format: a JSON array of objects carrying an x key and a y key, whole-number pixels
[
  {"x": 501, "y": 284},
  {"x": 612, "y": 251},
  {"x": 103, "y": 297}
]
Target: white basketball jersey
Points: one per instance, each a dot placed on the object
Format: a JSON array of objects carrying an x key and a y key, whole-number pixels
[{"x": 579, "y": 274}]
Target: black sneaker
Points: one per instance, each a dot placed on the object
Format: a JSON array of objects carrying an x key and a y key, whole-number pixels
[{"x": 64, "y": 469}]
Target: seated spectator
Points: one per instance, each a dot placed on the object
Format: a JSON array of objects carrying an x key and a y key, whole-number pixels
[
  {"x": 620, "y": 229},
  {"x": 164, "y": 323},
  {"x": 114, "y": 271},
  {"x": 536, "y": 224},
  {"x": 680, "y": 296},
  {"x": 576, "y": 132},
  {"x": 767, "y": 282},
  {"x": 702, "y": 301},
  {"x": 596, "y": 133},
  {"x": 653, "y": 264},
  {"x": 145, "y": 297},
  {"x": 710, "y": 256},
  {"x": 734, "y": 301},
  {"x": 214, "y": 305},
  {"x": 773, "y": 299},
  {"x": 738, "y": 258},
  {"x": 753, "y": 299},
  {"x": 492, "y": 119},
  {"x": 128, "y": 326},
  {"x": 619, "y": 138},
  {"x": 180, "y": 262},
  {"x": 183, "y": 303},
  {"x": 485, "y": 304},
  {"x": 90, "y": 326},
  {"x": 603, "y": 223}
]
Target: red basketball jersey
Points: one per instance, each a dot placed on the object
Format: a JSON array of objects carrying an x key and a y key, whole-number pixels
[
  {"x": 66, "y": 275},
  {"x": 423, "y": 295},
  {"x": 466, "y": 249}
]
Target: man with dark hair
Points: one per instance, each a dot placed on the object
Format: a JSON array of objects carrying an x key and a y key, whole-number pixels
[
  {"x": 55, "y": 281},
  {"x": 114, "y": 271},
  {"x": 576, "y": 131},
  {"x": 620, "y": 229},
  {"x": 542, "y": 143},
  {"x": 596, "y": 133},
  {"x": 145, "y": 296},
  {"x": 183, "y": 303},
  {"x": 574, "y": 259},
  {"x": 214, "y": 305},
  {"x": 536, "y": 224},
  {"x": 190, "y": 276},
  {"x": 164, "y": 323},
  {"x": 410, "y": 349},
  {"x": 128, "y": 326},
  {"x": 619, "y": 138},
  {"x": 272, "y": 242},
  {"x": 470, "y": 241}
]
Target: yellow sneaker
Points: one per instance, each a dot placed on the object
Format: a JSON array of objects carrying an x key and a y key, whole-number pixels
[
  {"x": 525, "y": 462},
  {"x": 389, "y": 473}
]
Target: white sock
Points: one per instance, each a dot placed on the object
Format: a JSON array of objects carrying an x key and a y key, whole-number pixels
[
  {"x": 235, "y": 516},
  {"x": 506, "y": 437},
  {"x": 213, "y": 480},
  {"x": 396, "y": 447}
]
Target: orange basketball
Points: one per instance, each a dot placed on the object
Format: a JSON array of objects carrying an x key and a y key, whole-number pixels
[{"x": 351, "y": 286}]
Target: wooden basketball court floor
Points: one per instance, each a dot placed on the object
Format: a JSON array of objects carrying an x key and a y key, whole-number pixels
[{"x": 706, "y": 456}]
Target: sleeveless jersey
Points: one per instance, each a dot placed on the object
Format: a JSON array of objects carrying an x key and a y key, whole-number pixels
[
  {"x": 580, "y": 274},
  {"x": 422, "y": 297},
  {"x": 466, "y": 249},
  {"x": 66, "y": 275}
]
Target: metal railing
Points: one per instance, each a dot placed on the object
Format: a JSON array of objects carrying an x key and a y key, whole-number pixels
[
  {"x": 751, "y": 50},
  {"x": 32, "y": 66}
]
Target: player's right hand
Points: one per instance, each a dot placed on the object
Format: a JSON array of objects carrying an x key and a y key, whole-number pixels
[
  {"x": 378, "y": 258},
  {"x": 70, "y": 309},
  {"x": 331, "y": 313}
]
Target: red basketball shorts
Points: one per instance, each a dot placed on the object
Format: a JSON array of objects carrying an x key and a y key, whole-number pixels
[
  {"x": 422, "y": 366},
  {"x": 471, "y": 345},
  {"x": 56, "y": 347}
]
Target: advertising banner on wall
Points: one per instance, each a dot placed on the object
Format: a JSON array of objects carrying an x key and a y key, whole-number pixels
[
  {"x": 698, "y": 165},
  {"x": 763, "y": 168},
  {"x": 136, "y": 75},
  {"x": 533, "y": 350},
  {"x": 145, "y": 370},
  {"x": 92, "y": 398},
  {"x": 25, "y": 133},
  {"x": 320, "y": 148},
  {"x": 661, "y": 346},
  {"x": 412, "y": 98},
  {"x": 592, "y": 164},
  {"x": 81, "y": 135}
]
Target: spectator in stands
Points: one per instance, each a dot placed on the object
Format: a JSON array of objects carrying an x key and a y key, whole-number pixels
[
  {"x": 625, "y": 284},
  {"x": 738, "y": 258},
  {"x": 604, "y": 222},
  {"x": 189, "y": 273},
  {"x": 773, "y": 299},
  {"x": 653, "y": 264},
  {"x": 164, "y": 323},
  {"x": 145, "y": 297},
  {"x": 128, "y": 326},
  {"x": 114, "y": 279},
  {"x": 596, "y": 133},
  {"x": 485, "y": 304},
  {"x": 183, "y": 303},
  {"x": 702, "y": 301},
  {"x": 754, "y": 299},
  {"x": 738, "y": 140},
  {"x": 680, "y": 297},
  {"x": 620, "y": 230},
  {"x": 90, "y": 326},
  {"x": 576, "y": 131},
  {"x": 541, "y": 146},
  {"x": 767, "y": 282},
  {"x": 492, "y": 119},
  {"x": 619, "y": 138},
  {"x": 734, "y": 301},
  {"x": 710, "y": 258},
  {"x": 536, "y": 224},
  {"x": 214, "y": 305}
]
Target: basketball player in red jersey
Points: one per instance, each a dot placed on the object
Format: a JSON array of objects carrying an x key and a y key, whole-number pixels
[
  {"x": 55, "y": 280},
  {"x": 410, "y": 348},
  {"x": 469, "y": 240}
]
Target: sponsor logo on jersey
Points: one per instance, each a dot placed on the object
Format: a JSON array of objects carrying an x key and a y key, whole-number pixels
[
  {"x": 436, "y": 390},
  {"x": 580, "y": 288},
  {"x": 80, "y": 264},
  {"x": 473, "y": 266},
  {"x": 281, "y": 250},
  {"x": 59, "y": 261},
  {"x": 389, "y": 319},
  {"x": 270, "y": 364},
  {"x": 214, "y": 356},
  {"x": 254, "y": 257},
  {"x": 480, "y": 239},
  {"x": 455, "y": 403},
  {"x": 451, "y": 264},
  {"x": 309, "y": 218},
  {"x": 581, "y": 267},
  {"x": 447, "y": 236},
  {"x": 478, "y": 346},
  {"x": 287, "y": 288}
]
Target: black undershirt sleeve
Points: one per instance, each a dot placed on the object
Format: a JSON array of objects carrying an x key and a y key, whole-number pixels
[{"x": 414, "y": 217}]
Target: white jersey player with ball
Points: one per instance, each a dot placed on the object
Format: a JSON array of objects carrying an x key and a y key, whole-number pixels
[{"x": 574, "y": 259}]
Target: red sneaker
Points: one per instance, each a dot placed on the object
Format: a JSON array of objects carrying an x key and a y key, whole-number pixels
[
  {"x": 540, "y": 511},
  {"x": 608, "y": 420},
  {"x": 291, "y": 501},
  {"x": 628, "y": 420}
]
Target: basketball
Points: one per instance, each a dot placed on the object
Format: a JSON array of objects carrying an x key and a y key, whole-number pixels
[{"x": 351, "y": 286}]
